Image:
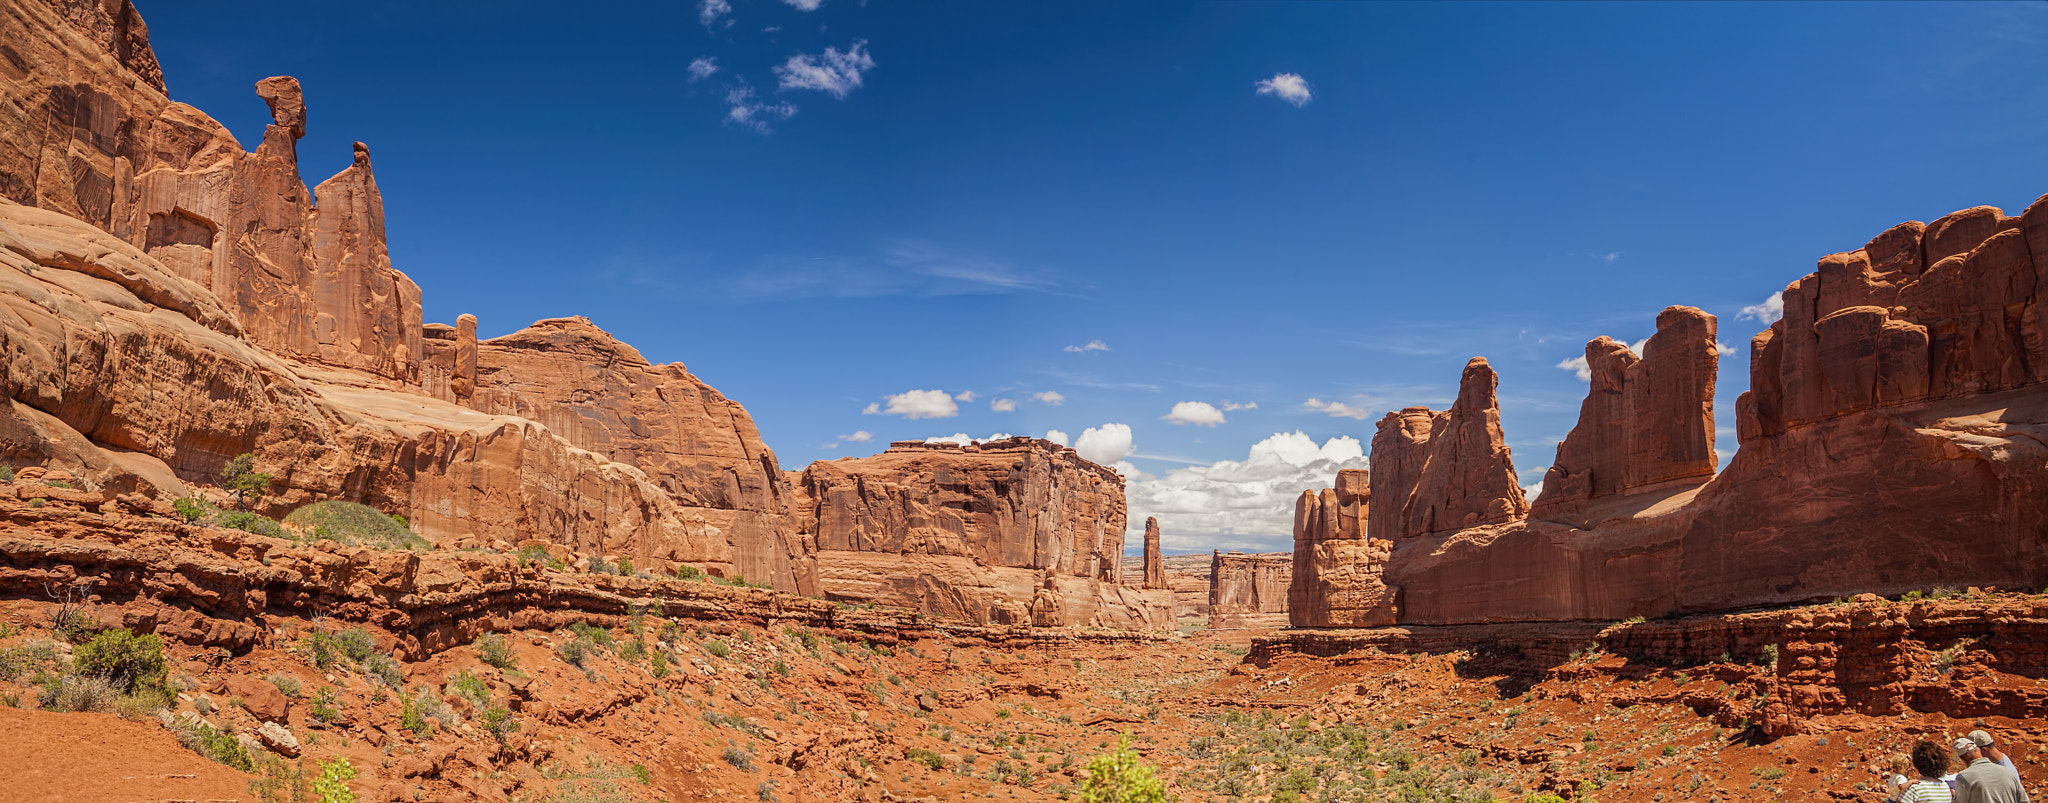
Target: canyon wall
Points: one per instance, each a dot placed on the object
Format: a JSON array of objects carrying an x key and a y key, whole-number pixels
[
  {"x": 1892, "y": 439},
  {"x": 972, "y": 531},
  {"x": 170, "y": 300},
  {"x": 1248, "y": 590}
]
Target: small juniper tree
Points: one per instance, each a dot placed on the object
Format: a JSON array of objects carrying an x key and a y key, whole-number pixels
[
  {"x": 1121, "y": 776},
  {"x": 241, "y": 477}
]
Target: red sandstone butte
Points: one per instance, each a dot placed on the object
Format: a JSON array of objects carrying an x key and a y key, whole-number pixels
[
  {"x": 1892, "y": 439},
  {"x": 975, "y": 532},
  {"x": 1248, "y": 590},
  {"x": 1155, "y": 566}
]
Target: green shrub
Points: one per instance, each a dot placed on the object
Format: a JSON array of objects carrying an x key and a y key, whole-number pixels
[
  {"x": 385, "y": 669},
  {"x": 192, "y": 508},
  {"x": 57, "y": 484},
  {"x": 498, "y": 721},
  {"x": 285, "y": 683},
  {"x": 688, "y": 572},
  {"x": 17, "y": 661},
  {"x": 469, "y": 687},
  {"x": 717, "y": 648},
  {"x": 496, "y": 651},
  {"x": 332, "y": 786},
  {"x": 660, "y": 667},
  {"x": 412, "y": 717},
  {"x": 203, "y": 739},
  {"x": 323, "y": 709},
  {"x": 926, "y": 758},
  {"x": 738, "y": 758},
  {"x": 74, "y": 692},
  {"x": 626, "y": 567},
  {"x": 354, "y": 524},
  {"x": 6, "y": 473},
  {"x": 241, "y": 478},
  {"x": 251, "y": 523},
  {"x": 574, "y": 651},
  {"x": 133, "y": 664},
  {"x": 1121, "y": 776},
  {"x": 645, "y": 775}
]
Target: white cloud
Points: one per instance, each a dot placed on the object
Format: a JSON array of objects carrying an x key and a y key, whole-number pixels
[
  {"x": 1003, "y": 405},
  {"x": 862, "y": 436},
  {"x": 1093, "y": 345},
  {"x": 1766, "y": 313},
  {"x": 1105, "y": 444},
  {"x": 1248, "y": 503},
  {"x": 962, "y": 439},
  {"x": 703, "y": 67},
  {"x": 805, "y": 5},
  {"x": 831, "y": 72},
  {"x": 752, "y": 114},
  {"x": 1286, "y": 86},
  {"x": 1051, "y": 397},
  {"x": 1579, "y": 367},
  {"x": 873, "y": 408},
  {"x": 1336, "y": 409},
  {"x": 1610, "y": 257},
  {"x": 1533, "y": 491},
  {"x": 708, "y": 11},
  {"x": 917, "y": 404},
  {"x": 1056, "y": 436},
  {"x": 966, "y": 396},
  {"x": 1201, "y": 414},
  {"x": 1724, "y": 349},
  {"x": 1231, "y": 407},
  {"x": 830, "y": 446}
]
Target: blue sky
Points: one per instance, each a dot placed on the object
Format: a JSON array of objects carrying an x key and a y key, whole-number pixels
[{"x": 865, "y": 200}]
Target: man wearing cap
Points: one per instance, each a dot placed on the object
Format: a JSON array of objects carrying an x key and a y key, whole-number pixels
[
  {"x": 1991, "y": 751},
  {"x": 1983, "y": 780}
]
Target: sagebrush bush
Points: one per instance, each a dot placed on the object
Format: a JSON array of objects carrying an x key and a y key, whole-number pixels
[
  {"x": 496, "y": 651},
  {"x": 251, "y": 523},
  {"x": 354, "y": 524},
  {"x": 133, "y": 664}
]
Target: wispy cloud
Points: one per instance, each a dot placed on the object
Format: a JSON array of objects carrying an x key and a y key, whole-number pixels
[
  {"x": 1051, "y": 397},
  {"x": 1093, "y": 345},
  {"x": 1336, "y": 409},
  {"x": 708, "y": 11},
  {"x": 805, "y": 5},
  {"x": 1231, "y": 407},
  {"x": 902, "y": 268},
  {"x": 861, "y": 436},
  {"x": 703, "y": 67},
  {"x": 834, "y": 72},
  {"x": 1286, "y": 86},
  {"x": 752, "y": 114},
  {"x": 1766, "y": 313}
]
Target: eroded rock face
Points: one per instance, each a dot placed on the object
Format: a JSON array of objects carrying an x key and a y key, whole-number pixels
[
  {"x": 1155, "y": 565},
  {"x": 1249, "y": 590},
  {"x": 1645, "y": 421},
  {"x": 1892, "y": 440},
  {"x": 1336, "y": 578},
  {"x": 1433, "y": 472},
  {"x": 965, "y": 531}
]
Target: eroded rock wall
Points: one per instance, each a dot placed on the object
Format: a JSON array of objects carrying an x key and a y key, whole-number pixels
[
  {"x": 1249, "y": 590},
  {"x": 1891, "y": 440},
  {"x": 973, "y": 531},
  {"x": 1336, "y": 575}
]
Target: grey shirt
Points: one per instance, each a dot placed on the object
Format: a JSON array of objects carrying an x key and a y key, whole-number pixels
[{"x": 1986, "y": 781}]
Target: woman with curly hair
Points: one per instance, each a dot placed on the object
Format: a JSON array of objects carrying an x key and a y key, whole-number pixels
[{"x": 1930, "y": 760}]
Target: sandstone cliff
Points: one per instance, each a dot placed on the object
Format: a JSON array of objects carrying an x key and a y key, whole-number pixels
[
  {"x": 975, "y": 532},
  {"x": 1335, "y": 578},
  {"x": 1248, "y": 590},
  {"x": 171, "y": 299},
  {"x": 1891, "y": 439}
]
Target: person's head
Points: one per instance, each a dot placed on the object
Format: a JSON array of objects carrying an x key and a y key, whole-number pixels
[
  {"x": 1929, "y": 759},
  {"x": 1967, "y": 750},
  {"x": 1902, "y": 763},
  {"x": 1982, "y": 738}
]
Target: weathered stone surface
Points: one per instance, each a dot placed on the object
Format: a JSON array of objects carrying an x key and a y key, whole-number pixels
[
  {"x": 1249, "y": 590},
  {"x": 1399, "y": 448},
  {"x": 1892, "y": 440},
  {"x": 1645, "y": 421},
  {"x": 1336, "y": 578},
  {"x": 701, "y": 448},
  {"x": 1467, "y": 473},
  {"x": 279, "y": 739},
  {"x": 365, "y": 315},
  {"x": 953, "y": 529},
  {"x": 1155, "y": 566}
]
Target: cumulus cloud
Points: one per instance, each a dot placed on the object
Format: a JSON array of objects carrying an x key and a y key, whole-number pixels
[
  {"x": 1766, "y": 313},
  {"x": 1579, "y": 368},
  {"x": 703, "y": 67},
  {"x": 966, "y": 396},
  {"x": 1533, "y": 490},
  {"x": 708, "y": 11},
  {"x": 1724, "y": 349},
  {"x": 1105, "y": 444},
  {"x": 1201, "y": 414},
  {"x": 861, "y": 436},
  {"x": 1335, "y": 409},
  {"x": 751, "y": 113},
  {"x": 805, "y": 5},
  {"x": 1093, "y": 345},
  {"x": 916, "y": 404},
  {"x": 1231, "y": 407},
  {"x": 833, "y": 72},
  {"x": 962, "y": 439},
  {"x": 1286, "y": 86},
  {"x": 1003, "y": 405},
  {"x": 1056, "y": 436},
  {"x": 1051, "y": 397},
  {"x": 1243, "y": 504}
]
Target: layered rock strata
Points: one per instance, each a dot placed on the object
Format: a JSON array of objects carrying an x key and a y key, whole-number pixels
[
  {"x": 1891, "y": 440},
  {"x": 1434, "y": 472},
  {"x": 1155, "y": 566},
  {"x": 975, "y": 532},
  {"x": 1335, "y": 576},
  {"x": 1248, "y": 591}
]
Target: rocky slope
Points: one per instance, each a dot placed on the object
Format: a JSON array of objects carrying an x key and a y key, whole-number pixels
[
  {"x": 1892, "y": 439},
  {"x": 973, "y": 531}
]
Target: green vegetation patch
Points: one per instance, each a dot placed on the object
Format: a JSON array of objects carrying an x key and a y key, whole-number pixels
[{"x": 354, "y": 524}]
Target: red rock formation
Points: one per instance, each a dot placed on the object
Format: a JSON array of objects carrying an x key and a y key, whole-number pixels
[
  {"x": 1456, "y": 472},
  {"x": 1249, "y": 590},
  {"x": 1892, "y": 439},
  {"x": 1155, "y": 567},
  {"x": 1336, "y": 571},
  {"x": 1645, "y": 421},
  {"x": 698, "y": 446},
  {"x": 970, "y": 531}
]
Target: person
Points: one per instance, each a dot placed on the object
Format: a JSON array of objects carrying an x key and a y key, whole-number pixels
[
  {"x": 1992, "y": 751},
  {"x": 1983, "y": 780},
  {"x": 1896, "y": 781},
  {"x": 1929, "y": 761}
]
